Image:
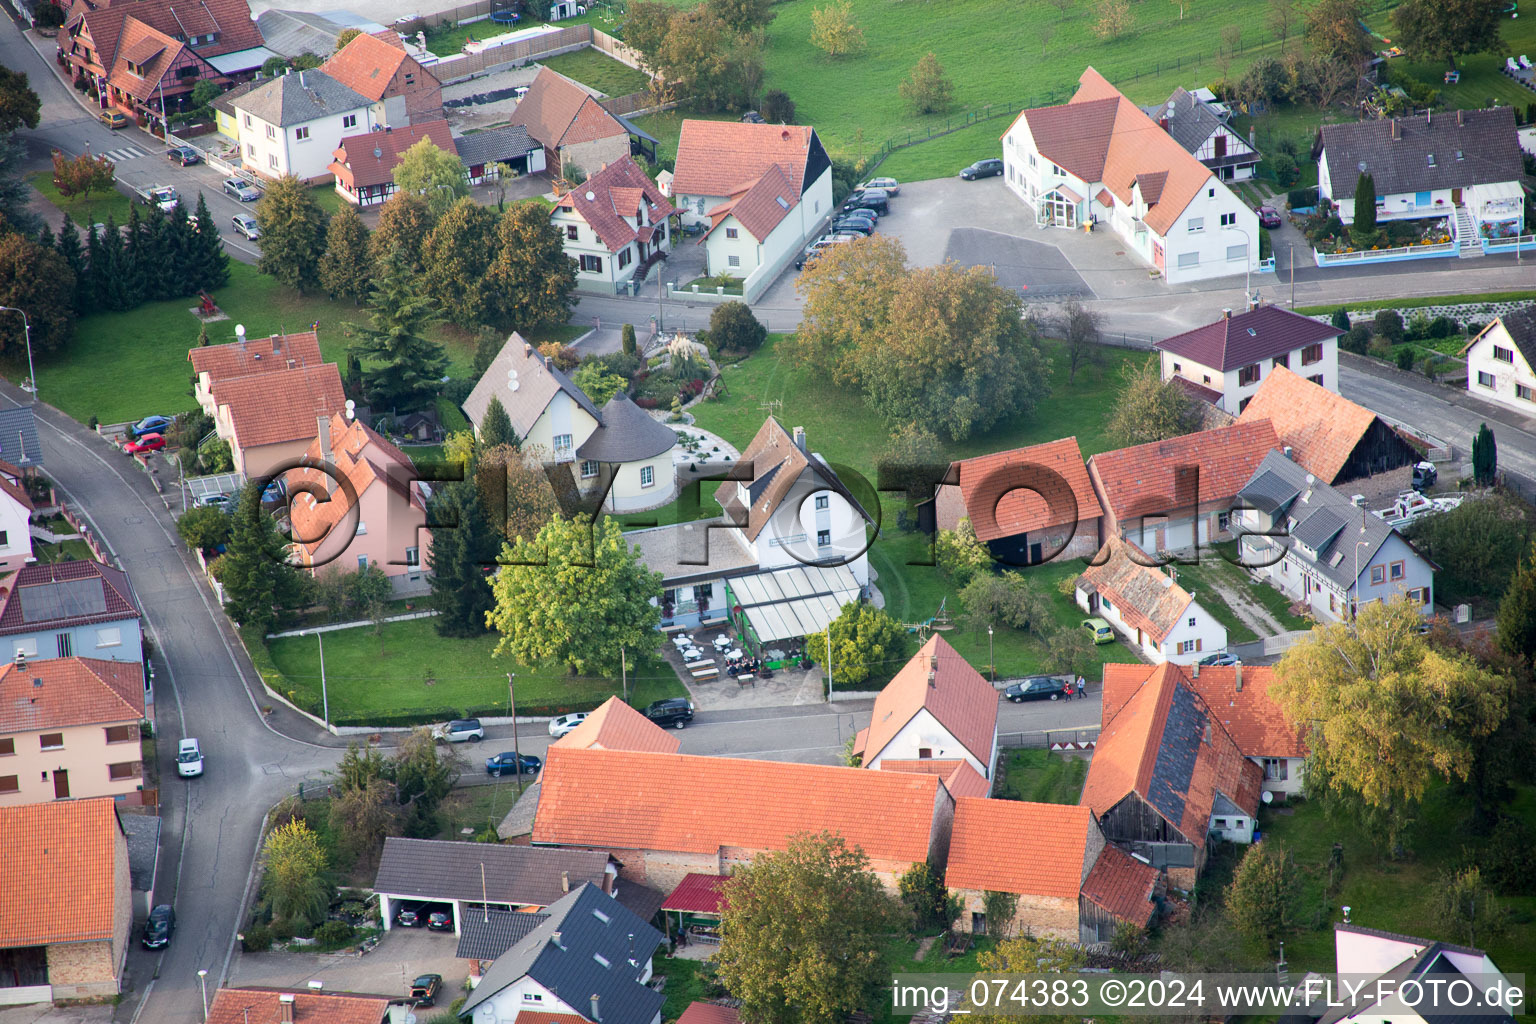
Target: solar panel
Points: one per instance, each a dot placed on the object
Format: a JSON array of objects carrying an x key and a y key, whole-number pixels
[
  {"x": 45, "y": 602},
  {"x": 1175, "y": 766}
]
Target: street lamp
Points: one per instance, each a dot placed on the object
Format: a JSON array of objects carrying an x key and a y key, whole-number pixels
[
  {"x": 512, "y": 707},
  {"x": 991, "y": 662},
  {"x": 202, "y": 980},
  {"x": 26, "y": 326},
  {"x": 325, "y": 700},
  {"x": 1247, "y": 265}
]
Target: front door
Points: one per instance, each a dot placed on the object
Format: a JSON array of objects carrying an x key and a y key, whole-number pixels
[
  {"x": 1221, "y": 146},
  {"x": 61, "y": 784},
  {"x": 978, "y": 923},
  {"x": 1455, "y": 197},
  {"x": 1034, "y": 554}
]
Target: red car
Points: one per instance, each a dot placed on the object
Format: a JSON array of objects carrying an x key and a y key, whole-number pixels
[
  {"x": 145, "y": 443},
  {"x": 1269, "y": 217}
]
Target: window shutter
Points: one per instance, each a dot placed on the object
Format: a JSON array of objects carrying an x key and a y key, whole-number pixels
[{"x": 1197, "y": 643}]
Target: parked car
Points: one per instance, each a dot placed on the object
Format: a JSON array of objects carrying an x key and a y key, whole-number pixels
[
  {"x": 816, "y": 248},
  {"x": 189, "y": 758},
  {"x": 868, "y": 199},
  {"x": 425, "y": 988},
  {"x": 1099, "y": 630},
  {"x": 246, "y": 225},
  {"x": 864, "y": 211},
  {"x": 186, "y": 156},
  {"x": 150, "y": 425},
  {"x": 1035, "y": 688},
  {"x": 144, "y": 443},
  {"x": 674, "y": 711},
  {"x": 982, "y": 169},
  {"x": 163, "y": 196},
  {"x": 410, "y": 915},
  {"x": 1424, "y": 475},
  {"x": 440, "y": 921},
  {"x": 275, "y": 491},
  {"x": 507, "y": 762},
  {"x": 223, "y": 501},
  {"x": 752, "y": 117},
  {"x": 565, "y": 723},
  {"x": 158, "y": 929},
  {"x": 461, "y": 730},
  {"x": 114, "y": 119},
  {"x": 890, "y": 186},
  {"x": 855, "y": 226},
  {"x": 241, "y": 190},
  {"x": 1220, "y": 659},
  {"x": 1269, "y": 217}
]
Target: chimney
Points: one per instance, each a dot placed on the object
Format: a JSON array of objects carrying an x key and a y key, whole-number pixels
[
  {"x": 1289, "y": 452},
  {"x": 1162, "y": 123},
  {"x": 608, "y": 882},
  {"x": 277, "y": 343},
  {"x": 800, "y": 438},
  {"x": 933, "y": 661},
  {"x": 1195, "y": 670},
  {"x": 285, "y": 1007},
  {"x": 565, "y": 881},
  {"x": 596, "y": 1016},
  {"x": 21, "y": 658},
  {"x": 549, "y": 363},
  {"x": 527, "y": 348},
  {"x": 1226, "y": 314},
  {"x": 324, "y": 433},
  {"x": 933, "y": 679},
  {"x": 555, "y": 938},
  {"x": 1253, "y": 303},
  {"x": 1237, "y": 677},
  {"x": 1397, "y": 131},
  {"x": 1461, "y": 118},
  {"x": 301, "y": 80}
]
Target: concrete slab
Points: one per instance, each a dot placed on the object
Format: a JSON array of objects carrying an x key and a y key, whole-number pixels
[
  {"x": 787, "y": 687},
  {"x": 1035, "y": 269},
  {"x": 401, "y": 955},
  {"x": 47, "y": 1013}
]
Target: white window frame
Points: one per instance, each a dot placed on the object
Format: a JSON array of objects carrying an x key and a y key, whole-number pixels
[
  {"x": 110, "y": 636},
  {"x": 1196, "y": 225},
  {"x": 585, "y": 463},
  {"x": 647, "y": 476},
  {"x": 349, "y": 120},
  {"x": 301, "y": 133}
]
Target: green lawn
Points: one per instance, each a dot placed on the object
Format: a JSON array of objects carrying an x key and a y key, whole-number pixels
[
  {"x": 944, "y": 155},
  {"x": 1041, "y": 777},
  {"x": 88, "y": 211},
  {"x": 1482, "y": 80},
  {"x": 477, "y": 807},
  {"x": 684, "y": 985},
  {"x": 1416, "y": 301},
  {"x": 594, "y": 68},
  {"x": 329, "y": 199},
  {"x": 448, "y": 39},
  {"x": 407, "y": 670},
  {"x": 64, "y": 551}
]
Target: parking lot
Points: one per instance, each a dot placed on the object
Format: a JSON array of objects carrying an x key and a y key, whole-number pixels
[{"x": 401, "y": 955}]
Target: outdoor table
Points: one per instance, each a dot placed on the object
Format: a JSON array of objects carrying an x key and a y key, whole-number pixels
[{"x": 734, "y": 654}]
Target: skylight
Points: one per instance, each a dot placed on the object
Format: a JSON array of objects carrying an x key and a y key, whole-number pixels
[
  {"x": 600, "y": 916},
  {"x": 600, "y": 959},
  {"x": 1431, "y": 159},
  {"x": 781, "y": 202}
]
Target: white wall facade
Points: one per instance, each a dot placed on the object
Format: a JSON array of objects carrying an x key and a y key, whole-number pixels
[
  {"x": 1236, "y": 145},
  {"x": 1323, "y": 371},
  {"x": 15, "y": 534},
  {"x": 1501, "y": 376},
  {"x": 720, "y": 248},
  {"x": 615, "y": 266},
  {"x": 814, "y": 523},
  {"x": 924, "y": 732},
  {"x": 561, "y": 417},
  {"x": 630, "y": 492},
  {"x": 1234, "y": 828},
  {"x": 1196, "y": 635},
  {"x": 303, "y": 150},
  {"x": 1282, "y": 775},
  {"x": 1400, "y": 570}
]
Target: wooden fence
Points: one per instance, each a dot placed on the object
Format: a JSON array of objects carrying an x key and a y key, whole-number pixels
[
  {"x": 617, "y": 49},
  {"x": 460, "y": 68}
]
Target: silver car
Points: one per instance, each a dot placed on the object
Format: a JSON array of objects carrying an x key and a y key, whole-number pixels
[
  {"x": 246, "y": 225},
  {"x": 242, "y": 190},
  {"x": 461, "y": 730},
  {"x": 558, "y": 727}
]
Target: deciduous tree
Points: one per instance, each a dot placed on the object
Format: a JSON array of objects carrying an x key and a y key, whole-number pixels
[
  {"x": 1007, "y": 600},
  {"x": 457, "y": 255},
  {"x": 835, "y": 31},
  {"x": 1467, "y": 907},
  {"x": 928, "y": 89},
  {"x": 574, "y": 595},
  {"x": 924, "y": 895},
  {"x": 345, "y": 36},
  {"x": 847, "y": 296},
  {"x": 19, "y": 105},
  {"x": 404, "y": 223},
  {"x": 462, "y": 550},
  {"x": 959, "y": 555},
  {"x": 532, "y": 278},
  {"x": 1283, "y": 17},
  {"x": 1148, "y": 408},
  {"x": 1071, "y": 650},
  {"x": 362, "y": 818},
  {"x": 1028, "y": 955},
  {"x": 1112, "y": 18},
  {"x": 402, "y": 367},
  {"x": 742, "y": 16},
  {"x": 294, "y": 881},
  {"x": 1080, "y": 330},
  {"x": 345, "y": 269},
  {"x": 801, "y": 933},
  {"x": 734, "y": 331},
  {"x": 1334, "y": 35},
  {"x": 516, "y": 491},
  {"x": 778, "y": 108},
  {"x": 1443, "y": 30},
  {"x": 598, "y": 381},
  {"x": 292, "y": 233},
  {"x": 434, "y": 174},
  {"x": 38, "y": 281},
  {"x": 911, "y": 461},
  {"x": 1261, "y": 898},
  {"x": 204, "y": 528},
  {"x": 82, "y": 175},
  {"x": 866, "y": 642},
  {"x": 1474, "y": 545}
]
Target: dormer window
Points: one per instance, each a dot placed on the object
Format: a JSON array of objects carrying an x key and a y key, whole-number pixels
[{"x": 1431, "y": 159}]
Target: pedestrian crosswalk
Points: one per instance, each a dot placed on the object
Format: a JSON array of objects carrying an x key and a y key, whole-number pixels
[{"x": 117, "y": 156}]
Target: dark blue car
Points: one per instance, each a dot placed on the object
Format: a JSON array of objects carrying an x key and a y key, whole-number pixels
[
  {"x": 151, "y": 425},
  {"x": 507, "y": 762}
]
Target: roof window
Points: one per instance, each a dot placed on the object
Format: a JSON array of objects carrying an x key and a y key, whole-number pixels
[
  {"x": 600, "y": 959},
  {"x": 1431, "y": 159},
  {"x": 1252, "y": 333},
  {"x": 781, "y": 202},
  {"x": 600, "y": 916}
]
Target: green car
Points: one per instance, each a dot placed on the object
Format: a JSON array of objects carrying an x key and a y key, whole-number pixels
[{"x": 1099, "y": 630}]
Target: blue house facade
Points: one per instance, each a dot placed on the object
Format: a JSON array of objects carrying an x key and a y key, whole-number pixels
[{"x": 81, "y": 609}]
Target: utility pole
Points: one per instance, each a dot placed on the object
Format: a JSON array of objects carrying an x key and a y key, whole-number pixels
[
  {"x": 829, "y": 661},
  {"x": 1292, "y": 250},
  {"x": 26, "y": 327},
  {"x": 624, "y": 674},
  {"x": 512, "y": 706}
]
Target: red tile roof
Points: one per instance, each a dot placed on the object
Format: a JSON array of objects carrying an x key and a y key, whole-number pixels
[
  {"x": 59, "y": 601},
  {"x": 229, "y": 20},
  {"x": 360, "y": 456},
  {"x": 256, "y": 356},
  {"x": 1254, "y": 721},
  {"x": 1129, "y": 757},
  {"x": 618, "y": 191},
  {"x": 371, "y": 158},
  {"x": 1122, "y": 885},
  {"x": 281, "y": 406},
  {"x": 1021, "y": 491},
  {"x": 366, "y": 65},
  {"x": 960, "y": 779},
  {"x": 1148, "y": 479},
  {"x": 936, "y": 679},
  {"x": 1321, "y": 426},
  {"x": 59, "y": 866},
  {"x": 697, "y": 893},
  {"x": 64, "y": 692},
  {"x": 1247, "y": 337},
  {"x": 760, "y": 207},
  {"x": 1046, "y": 846},
  {"x": 757, "y": 805},
  {"x": 1120, "y": 684},
  {"x": 709, "y": 1013},
  {"x": 1145, "y": 596},
  {"x": 146, "y": 46},
  {"x": 721, "y": 158},
  {"x": 262, "y": 1006},
  {"x": 1199, "y": 392},
  {"x": 617, "y": 726},
  {"x": 17, "y": 493},
  {"x": 558, "y": 112}
]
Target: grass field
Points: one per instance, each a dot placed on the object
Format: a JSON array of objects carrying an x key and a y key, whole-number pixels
[
  {"x": 943, "y": 156},
  {"x": 477, "y": 807},
  {"x": 1041, "y": 777},
  {"x": 88, "y": 211},
  {"x": 593, "y": 67},
  {"x": 1481, "y": 78}
]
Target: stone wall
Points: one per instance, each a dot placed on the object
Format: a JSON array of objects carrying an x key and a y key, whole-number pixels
[
  {"x": 663, "y": 869},
  {"x": 82, "y": 970},
  {"x": 1045, "y": 917}
]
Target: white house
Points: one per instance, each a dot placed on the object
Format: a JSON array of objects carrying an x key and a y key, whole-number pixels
[
  {"x": 1501, "y": 361},
  {"x": 1238, "y": 696},
  {"x": 788, "y": 552},
  {"x": 1100, "y": 159},
  {"x": 618, "y": 449},
  {"x": 614, "y": 225},
  {"x": 1200, "y": 126},
  {"x": 936, "y": 708},
  {"x": 1158, "y": 617},
  {"x": 1232, "y": 356},
  {"x": 1465, "y": 166},
  {"x": 1383, "y": 964},
  {"x": 589, "y": 959},
  {"x": 15, "y": 520},
  {"x": 1316, "y": 546},
  {"x": 294, "y": 124},
  {"x": 764, "y": 190}
]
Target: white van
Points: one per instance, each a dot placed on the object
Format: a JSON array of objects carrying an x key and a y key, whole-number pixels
[{"x": 189, "y": 758}]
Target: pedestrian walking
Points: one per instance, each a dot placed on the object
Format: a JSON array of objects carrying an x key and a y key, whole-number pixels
[
  {"x": 1082, "y": 686},
  {"x": 1067, "y": 690}
]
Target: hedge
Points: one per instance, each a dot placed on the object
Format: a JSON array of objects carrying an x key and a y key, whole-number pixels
[
  {"x": 1301, "y": 197},
  {"x": 432, "y": 716}
]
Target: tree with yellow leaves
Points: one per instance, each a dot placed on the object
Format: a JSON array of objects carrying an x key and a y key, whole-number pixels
[{"x": 834, "y": 29}]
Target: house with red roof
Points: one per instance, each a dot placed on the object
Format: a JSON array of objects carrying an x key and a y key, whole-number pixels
[
  {"x": 763, "y": 191},
  {"x": 364, "y": 164},
  {"x": 1028, "y": 505},
  {"x": 16, "y": 510},
  {"x": 79, "y": 609},
  {"x": 250, "y": 1004},
  {"x": 1099, "y": 159},
  {"x": 66, "y": 906},
  {"x": 1178, "y": 494},
  {"x": 1227, "y": 360},
  {"x": 936, "y": 707},
  {"x": 1166, "y": 778},
  {"x": 669, "y": 815},
  {"x": 1145, "y": 604},
  {"x": 615, "y": 225},
  {"x": 1069, "y": 883},
  {"x": 379, "y": 68},
  {"x": 574, "y": 129},
  {"x": 69, "y": 727}
]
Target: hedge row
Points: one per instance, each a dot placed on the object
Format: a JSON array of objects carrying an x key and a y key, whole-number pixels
[{"x": 432, "y": 716}]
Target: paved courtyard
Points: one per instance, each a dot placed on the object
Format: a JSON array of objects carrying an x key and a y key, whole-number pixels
[{"x": 401, "y": 955}]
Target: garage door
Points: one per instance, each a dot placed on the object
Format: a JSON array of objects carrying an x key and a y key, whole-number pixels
[
  {"x": 1149, "y": 534},
  {"x": 1180, "y": 535}
]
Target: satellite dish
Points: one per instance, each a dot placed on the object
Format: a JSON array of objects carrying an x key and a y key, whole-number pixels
[
  {"x": 591, "y": 196},
  {"x": 513, "y": 386},
  {"x": 511, "y": 375},
  {"x": 377, "y": 152},
  {"x": 1268, "y": 797},
  {"x": 351, "y": 409}
]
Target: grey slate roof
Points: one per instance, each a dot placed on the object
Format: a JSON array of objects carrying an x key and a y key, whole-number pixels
[
  {"x": 590, "y": 925},
  {"x": 1521, "y": 326},
  {"x": 524, "y": 875},
  {"x": 1317, "y": 529},
  {"x": 226, "y": 100},
  {"x": 496, "y": 144},
  {"x": 19, "y": 444},
  {"x": 291, "y": 33},
  {"x": 1191, "y": 122},
  {"x": 1268, "y": 491},
  {"x": 627, "y": 434},
  {"x": 1176, "y": 757},
  {"x": 485, "y": 935},
  {"x": 1430, "y": 962},
  {"x": 1485, "y": 139},
  {"x": 537, "y": 383},
  {"x": 300, "y": 96}
]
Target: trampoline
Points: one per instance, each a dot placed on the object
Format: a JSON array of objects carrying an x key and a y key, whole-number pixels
[{"x": 506, "y": 17}]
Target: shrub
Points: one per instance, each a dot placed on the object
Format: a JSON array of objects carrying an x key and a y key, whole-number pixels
[
  {"x": 777, "y": 107},
  {"x": 627, "y": 340},
  {"x": 1405, "y": 358},
  {"x": 1357, "y": 340},
  {"x": 1286, "y": 169},
  {"x": 49, "y": 15},
  {"x": 334, "y": 933},
  {"x": 1389, "y": 325},
  {"x": 1301, "y": 197},
  {"x": 1418, "y": 327},
  {"x": 1340, "y": 319},
  {"x": 1442, "y": 327},
  {"x": 1380, "y": 347},
  {"x": 647, "y": 403},
  {"x": 282, "y": 931},
  {"x": 257, "y": 939}
]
